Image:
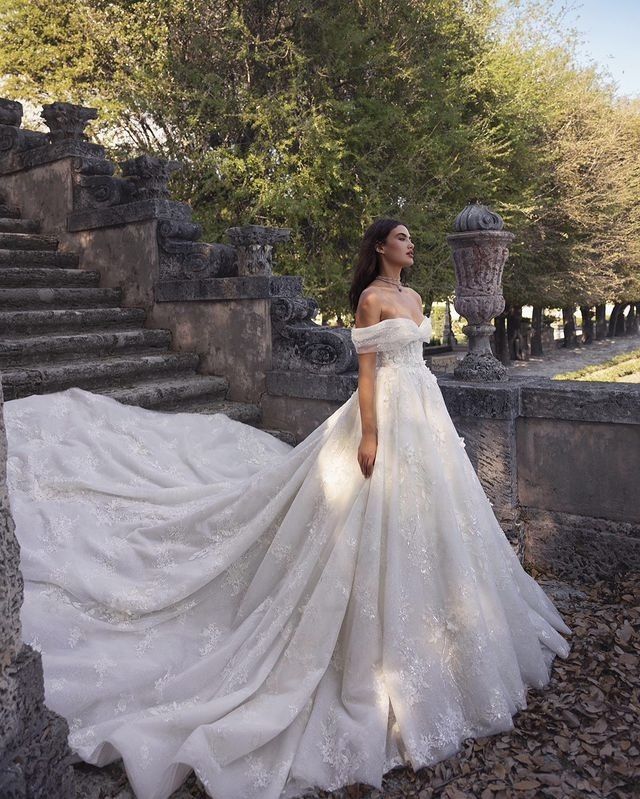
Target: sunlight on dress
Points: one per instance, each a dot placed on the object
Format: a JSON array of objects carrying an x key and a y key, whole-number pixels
[{"x": 208, "y": 597}]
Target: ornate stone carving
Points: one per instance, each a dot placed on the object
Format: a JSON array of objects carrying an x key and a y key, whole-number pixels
[
  {"x": 95, "y": 185},
  {"x": 183, "y": 257},
  {"x": 479, "y": 253},
  {"x": 254, "y": 246},
  {"x": 14, "y": 141},
  {"x": 10, "y": 112},
  {"x": 300, "y": 343},
  {"x": 475, "y": 216},
  {"x": 149, "y": 176},
  {"x": 67, "y": 121}
]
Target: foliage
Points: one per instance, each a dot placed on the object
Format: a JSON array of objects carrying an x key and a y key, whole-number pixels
[{"x": 320, "y": 117}]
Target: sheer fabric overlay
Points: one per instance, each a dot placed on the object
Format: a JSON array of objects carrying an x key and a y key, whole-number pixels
[{"x": 208, "y": 597}]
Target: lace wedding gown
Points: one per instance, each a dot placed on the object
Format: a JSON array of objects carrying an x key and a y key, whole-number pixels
[{"x": 207, "y": 597}]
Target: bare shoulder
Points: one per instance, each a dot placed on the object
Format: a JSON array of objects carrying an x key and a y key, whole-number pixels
[
  {"x": 369, "y": 307},
  {"x": 416, "y": 295}
]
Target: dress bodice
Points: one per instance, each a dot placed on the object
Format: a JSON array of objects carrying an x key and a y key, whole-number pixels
[{"x": 397, "y": 342}]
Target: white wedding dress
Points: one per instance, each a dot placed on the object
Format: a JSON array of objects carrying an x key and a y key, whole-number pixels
[{"x": 208, "y": 597}]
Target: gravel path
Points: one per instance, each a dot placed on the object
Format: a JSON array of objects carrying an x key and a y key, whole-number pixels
[
  {"x": 578, "y": 738},
  {"x": 561, "y": 360}
]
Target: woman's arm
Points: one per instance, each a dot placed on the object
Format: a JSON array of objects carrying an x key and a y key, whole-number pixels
[{"x": 367, "y": 313}]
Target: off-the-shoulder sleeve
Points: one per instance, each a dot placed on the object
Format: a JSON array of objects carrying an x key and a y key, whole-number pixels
[
  {"x": 389, "y": 335},
  {"x": 366, "y": 339}
]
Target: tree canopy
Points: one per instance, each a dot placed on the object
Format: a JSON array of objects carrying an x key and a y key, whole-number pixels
[{"x": 322, "y": 116}]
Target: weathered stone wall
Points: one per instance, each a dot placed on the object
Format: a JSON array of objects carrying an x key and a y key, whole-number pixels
[
  {"x": 45, "y": 193},
  {"x": 233, "y": 339},
  {"x": 34, "y": 757}
]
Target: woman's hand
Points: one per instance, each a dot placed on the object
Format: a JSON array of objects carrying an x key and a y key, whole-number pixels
[{"x": 367, "y": 453}]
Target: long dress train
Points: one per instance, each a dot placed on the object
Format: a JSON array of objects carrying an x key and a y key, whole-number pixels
[{"x": 208, "y": 597}]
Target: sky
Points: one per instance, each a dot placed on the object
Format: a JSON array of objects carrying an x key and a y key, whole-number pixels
[{"x": 610, "y": 32}]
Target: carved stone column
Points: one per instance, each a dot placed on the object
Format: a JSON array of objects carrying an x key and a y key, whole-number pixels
[
  {"x": 149, "y": 176},
  {"x": 67, "y": 121},
  {"x": 479, "y": 249},
  {"x": 34, "y": 756},
  {"x": 254, "y": 245}
]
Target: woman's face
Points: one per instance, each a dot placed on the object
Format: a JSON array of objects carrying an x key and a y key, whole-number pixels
[{"x": 398, "y": 248}]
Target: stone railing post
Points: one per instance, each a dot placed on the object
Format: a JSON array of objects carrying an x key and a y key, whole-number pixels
[
  {"x": 149, "y": 176},
  {"x": 34, "y": 757},
  {"x": 67, "y": 121},
  {"x": 479, "y": 249},
  {"x": 254, "y": 247}
]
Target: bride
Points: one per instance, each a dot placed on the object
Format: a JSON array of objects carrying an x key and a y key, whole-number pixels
[{"x": 274, "y": 618}]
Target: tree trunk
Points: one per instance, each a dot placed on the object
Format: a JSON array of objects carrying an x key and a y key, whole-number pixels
[
  {"x": 601, "y": 321},
  {"x": 619, "y": 329},
  {"x": 570, "y": 338},
  {"x": 514, "y": 341},
  {"x": 500, "y": 340},
  {"x": 614, "y": 320},
  {"x": 587, "y": 324},
  {"x": 536, "y": 330},
  {"x": 631, "y": 326}
]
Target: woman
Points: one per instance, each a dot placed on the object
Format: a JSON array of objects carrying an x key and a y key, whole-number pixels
[{"x": 206, "y": 597}]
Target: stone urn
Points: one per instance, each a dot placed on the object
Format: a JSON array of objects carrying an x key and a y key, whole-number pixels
[{"x": 479, "y": 249}]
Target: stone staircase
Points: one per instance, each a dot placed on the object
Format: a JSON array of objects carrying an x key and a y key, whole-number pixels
[{"x": 59, "y": 329}]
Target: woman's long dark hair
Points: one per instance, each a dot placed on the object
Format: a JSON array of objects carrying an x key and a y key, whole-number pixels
[{"x": 366, "y": 269}]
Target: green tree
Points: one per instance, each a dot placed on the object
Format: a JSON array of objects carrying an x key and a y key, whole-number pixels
[{"x": 322, "y": 116}]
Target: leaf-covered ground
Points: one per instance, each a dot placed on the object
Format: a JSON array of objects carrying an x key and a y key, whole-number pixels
[{"x": 578, "y": 737}]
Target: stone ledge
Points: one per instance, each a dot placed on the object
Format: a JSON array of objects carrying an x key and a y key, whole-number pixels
[
  {"x": 310, "y": 385},
  {"x": 236, "y": 287},
  {"x": 577, "y": 400},
  {"x": 496, "y": 400},
  {"x": 48, "y": 153},
  {"x": 247, "y": 287},
  {"x": 115, "y": 215}
]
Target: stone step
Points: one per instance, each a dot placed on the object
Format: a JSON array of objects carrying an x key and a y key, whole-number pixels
[
  {"x": 9, "y": 211},
  {"x": 240, "y": 411},
  {"x": 170, "y": 394},
  {"x": 43, "y": 259},
  {"x": 27, "y": 241},
  {"x": 195, "y": 394},
  {"x": 24, "y": 299},
  {"x": 33, "y": 323},
  {"x": 19, "y": 351},
  {"x": 48, "y": 278},
  {"x": 14, "y": 225},
  {"x": 96, "y": 373}
]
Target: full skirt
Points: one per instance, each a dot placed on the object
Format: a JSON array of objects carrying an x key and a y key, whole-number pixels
[{"x": 208, "y": 597}]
